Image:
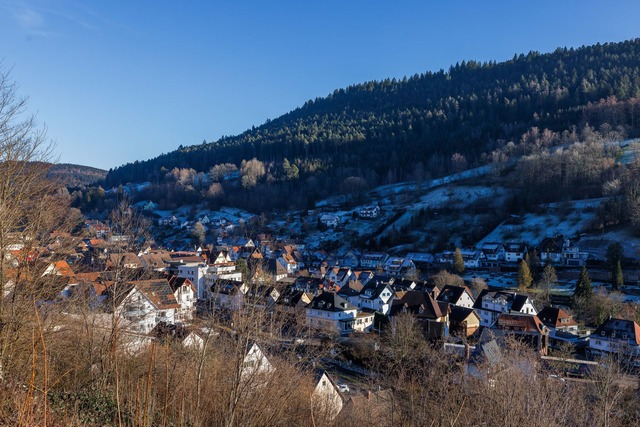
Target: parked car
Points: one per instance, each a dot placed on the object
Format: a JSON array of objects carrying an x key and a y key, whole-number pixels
[{"x": 343, "y": 388}]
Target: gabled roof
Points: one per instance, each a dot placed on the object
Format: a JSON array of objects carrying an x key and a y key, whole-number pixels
[
  {"x": 515, "y": 247},
  {"x": 158, "y": 292},
  {"x": 275, "y": 267},
  {"x": 372, "y": 289},
  {"x": 351, "y": 289},
  {"x": 311, "y": 284},
  {"x": 517, "y": 301},
  {"x": 618, "y": 329},
  {"x": 459, "y": 314},
  {"x": 329, "y": 301},
  {"x": 419, "y": 303},
  {"x": 318, "y": 374},
  {"x": 404, "y": 284},
  {"x": 550, "y": 245},
  {"x": 520, "y": 322},
  {"x": 452, "y": 294},
  {"x": 63, "y": 268},
  {"x": 552, "y": 317},
  {"x": 227, "y": 287},
  {"x": 127, "y": 258},
  {"x": 491, "y": 247},
  {"x": 292, "y": 298},
  {"x": 155, "y": 259},
  {"x": 176, "y": 282}
]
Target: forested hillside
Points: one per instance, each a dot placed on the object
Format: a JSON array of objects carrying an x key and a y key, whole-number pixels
[
  {"x": 75, "y": 175},
  {"x": 419, "y": 126}
]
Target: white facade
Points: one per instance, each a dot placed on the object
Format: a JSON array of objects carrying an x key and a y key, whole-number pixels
[
  {"x": 380, "y": 302},
  {"x": 196, "y": 274},
  {"x": 373, "y": 260},
  {"x": 228, "y": 295},
  {"x": 226, "y": 271},
  {"x": 329, "y": 220},
  {"x": 341, "y": 322},
  {"x": 326, "y": 400},
  {"x": 492, "y": 308},
  {"x": 515, "y": 252},
  {"x": 139, "y": 315},
  {"x": 369, "y": 211},
  {"x": 255, "y": 363},
  {"x": 186, "y": 297}
]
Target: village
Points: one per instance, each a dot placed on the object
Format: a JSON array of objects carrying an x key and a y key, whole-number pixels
[{"x": 316, "y": 299}]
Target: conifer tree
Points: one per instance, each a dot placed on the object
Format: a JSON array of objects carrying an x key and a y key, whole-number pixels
[
  {"x": 525, "y": 279},
  {"x": 583, "y": 291},
  {"x": 458, "y": 261},
  {"x": 618, "y": 277}
]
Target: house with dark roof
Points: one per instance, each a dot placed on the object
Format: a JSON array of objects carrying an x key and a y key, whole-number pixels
[
  {"x": 371, "y": 407},
  {"x": 558, "y": 320},
  {"x": 550, "y": 250},
  {"x": 228, "y": 294},
  {"x": 308, "y": 284},
  {"x": 351, "y": 291},
  {"x": 493, "y": 254},
  {"x": 471, "y": 257},
  {"x": 330, "y": 312},
  {"x": 456, "y": 295},
  {"x": 515, "y": 251},
  {"x": 124, "y": 260},
  {"x": 142, "y": 304},
  {"x": 434, "y": 317},
  {"x": 404, "y": 285},
  {"x": 463, "y": 321},
  {"x": 616, "y": 336},
  {"x": 339, "y": 275},
  {"x": 527, "y": 328},
  {"x": 376, "y": 296},
  {"x": 293, "y": 301},
  {"x": 490, "y": 304}
]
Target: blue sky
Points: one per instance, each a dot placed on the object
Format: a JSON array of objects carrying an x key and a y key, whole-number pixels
[{"x": 119, "y": 81}]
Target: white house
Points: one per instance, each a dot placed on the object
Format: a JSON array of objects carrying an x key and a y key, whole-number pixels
[
  {"x": 329, "y": 220},
  {"x": 471, "y": 257},
  {"x": 376, "y": 296},
  {"x": 572, "y": 256},
  {"x": 489, "y": 305},
  {"x": 493, "y": 252},
  {"x": 143, "y": 304},
  {"x": 228, "y": 294},
  {"x": 371, "y": 211},
  {"x": 515, "y": 252},
  {"x": 255, "y": 363},
  {"x": 333, "y": 313},
  {"x": 456, "y": 295},
  {"x": 373, "y": 260},
  {"x": 340, "y": 275},
  {"x": 326, "y": 399},
  {"x": 196, "y": 273},
  {"x": 186, "y": 295},
  {"x": 395, "y": 266},
  {"x": 616, "y": 336}
]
